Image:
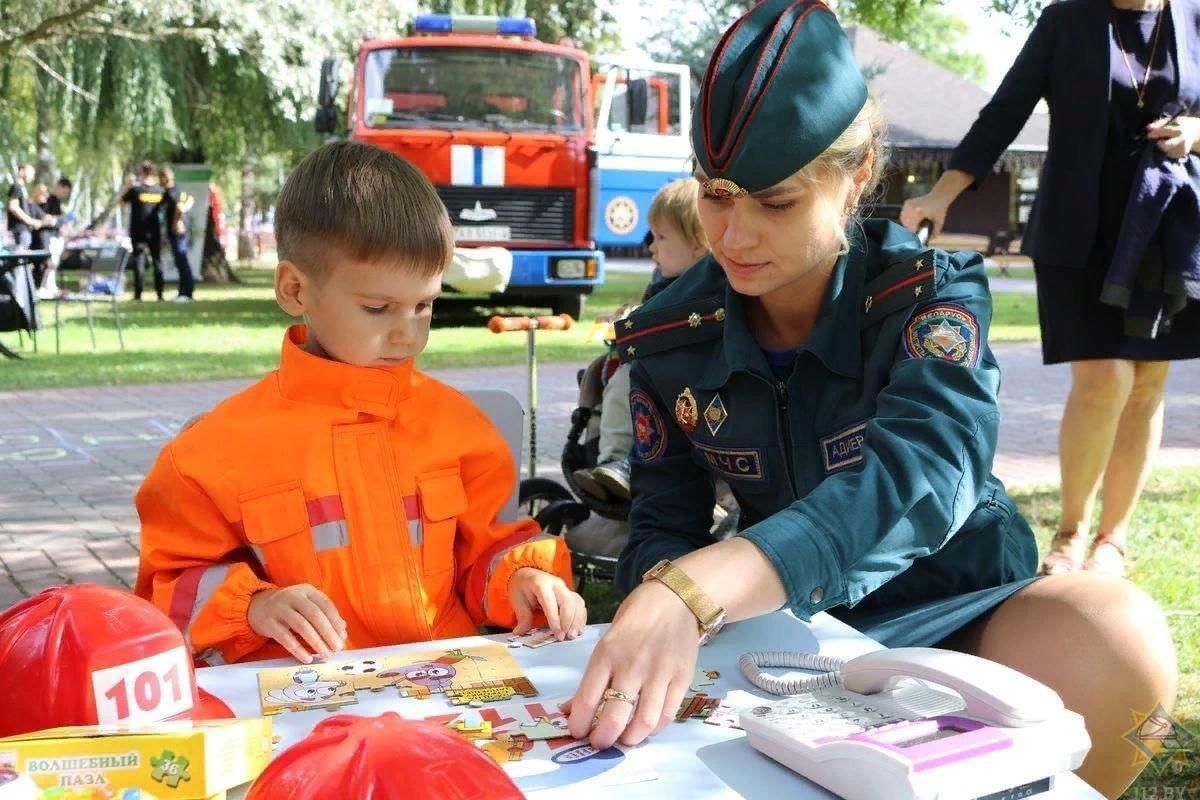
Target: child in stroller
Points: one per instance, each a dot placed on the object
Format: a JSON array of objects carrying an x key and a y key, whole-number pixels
[
  {"x": 678, "y": 242},
  {"x": 595, "y": 458}
]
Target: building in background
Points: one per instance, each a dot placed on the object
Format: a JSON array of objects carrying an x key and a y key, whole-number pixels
[{"x": 928, "y": 110}]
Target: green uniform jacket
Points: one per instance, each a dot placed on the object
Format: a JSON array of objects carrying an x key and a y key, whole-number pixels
[{"x": 865, "y": 476}]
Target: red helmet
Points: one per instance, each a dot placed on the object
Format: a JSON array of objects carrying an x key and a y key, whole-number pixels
[
  {"x": 383, "y": 758},
  {"x": 87, "y": 655}
]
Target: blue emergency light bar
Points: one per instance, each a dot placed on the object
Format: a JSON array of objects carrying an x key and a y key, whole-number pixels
[{"x": 473, "y": 23}]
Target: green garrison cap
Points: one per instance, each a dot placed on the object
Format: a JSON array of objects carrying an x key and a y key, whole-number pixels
[{"x": 780, "y": 88}]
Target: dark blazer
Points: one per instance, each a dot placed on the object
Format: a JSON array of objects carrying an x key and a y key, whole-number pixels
[{"x": 1066, "y": 61}]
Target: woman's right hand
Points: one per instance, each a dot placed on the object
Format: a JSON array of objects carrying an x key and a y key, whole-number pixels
[
  {"x": 648, "y": 654},
  {"x": 926, "y": 207}
]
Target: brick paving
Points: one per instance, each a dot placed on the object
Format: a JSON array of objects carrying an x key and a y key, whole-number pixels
[{"x": 71, "y": 459}]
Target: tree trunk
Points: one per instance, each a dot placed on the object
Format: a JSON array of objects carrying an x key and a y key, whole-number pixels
[
  {"x": 246, "y": 249},
  {"x": 46, "y": 166}
]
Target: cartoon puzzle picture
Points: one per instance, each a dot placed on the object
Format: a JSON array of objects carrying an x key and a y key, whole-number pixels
[
  {"x": 466, "y": 676},
  {"x": 530, "y": 741}
]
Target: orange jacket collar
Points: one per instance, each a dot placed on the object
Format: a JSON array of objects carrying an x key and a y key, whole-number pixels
[{"x": 377, "y": 391}]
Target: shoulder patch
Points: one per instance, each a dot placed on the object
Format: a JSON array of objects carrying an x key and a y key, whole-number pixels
[
  {"x": 674, "y": 326},
  {"x": 900, "y": 286},
  {"x": 946, "y": 331},
  {"x": 649, "y": 432}
]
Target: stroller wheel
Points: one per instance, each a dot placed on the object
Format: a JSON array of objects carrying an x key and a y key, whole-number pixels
[{"x": 537, "y": 493}]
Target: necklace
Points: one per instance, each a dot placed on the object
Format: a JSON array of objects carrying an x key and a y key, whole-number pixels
[{"x": 1140, "y": 90}]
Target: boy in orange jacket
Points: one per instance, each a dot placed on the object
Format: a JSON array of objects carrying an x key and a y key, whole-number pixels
[{"x": 347, "y": 500}]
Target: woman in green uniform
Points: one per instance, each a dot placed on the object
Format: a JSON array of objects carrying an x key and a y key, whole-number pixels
[{"x": 838, "y": 376}]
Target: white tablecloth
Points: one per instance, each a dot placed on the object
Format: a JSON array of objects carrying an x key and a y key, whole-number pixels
[{"x": 689, "y": 760}]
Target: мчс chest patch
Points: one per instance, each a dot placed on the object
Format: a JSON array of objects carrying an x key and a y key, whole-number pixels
[
  {"x": 946, "y": 331},
  {"x": 738, "y": 464},
  {"x": 649, "y": 432}
]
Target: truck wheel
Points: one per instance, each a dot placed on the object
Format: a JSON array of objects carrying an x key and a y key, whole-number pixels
[{"x": 569, "y": 304}]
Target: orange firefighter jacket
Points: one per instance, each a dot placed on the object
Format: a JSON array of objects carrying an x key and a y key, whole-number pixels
[{"x": 380, "y": 487}]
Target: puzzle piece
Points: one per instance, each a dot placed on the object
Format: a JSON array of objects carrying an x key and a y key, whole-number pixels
[
  {"x": 704, "y": 677},
  {"x": 724, "y": 717},
  {"x": 483, "y": 694},
  {"x": 170, "y": 769},
  {"x": 538, "y": 637},
  {"x": 698, "y": 706},
  {"x": 543, "y": 728},
  {"x": 472, "y": 732}
]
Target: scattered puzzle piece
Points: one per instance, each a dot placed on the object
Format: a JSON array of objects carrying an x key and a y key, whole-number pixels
[
  {"x": 698, "y": 706},
  {"x": 704, "y": 677},
  {"x": 724, "y": 717},
  {"x": 170, "y": 769},
  {"x": 543, "y": 728},
  {"x": 472, "y": 732}
]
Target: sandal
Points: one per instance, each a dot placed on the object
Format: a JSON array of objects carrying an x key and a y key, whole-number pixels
[
  {"x": 1066, "y": 554},
  {"x": 1111, "y": 552}
]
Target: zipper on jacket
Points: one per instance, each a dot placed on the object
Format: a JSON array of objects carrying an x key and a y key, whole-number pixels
[{"x": 782, "y": 405}]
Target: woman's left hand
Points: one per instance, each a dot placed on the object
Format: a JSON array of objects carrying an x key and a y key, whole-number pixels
[
  {"x": 1177, "y": 139},
  {"x": 647, "y": 659}
]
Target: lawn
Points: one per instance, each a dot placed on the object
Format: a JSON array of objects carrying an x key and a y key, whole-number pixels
[
  {"x": 234, "y": 331},
  {"x": 1163, "y": 561}
]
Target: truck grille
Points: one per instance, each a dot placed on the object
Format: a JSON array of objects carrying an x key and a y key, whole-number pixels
[{"x": 546, "y": 215}]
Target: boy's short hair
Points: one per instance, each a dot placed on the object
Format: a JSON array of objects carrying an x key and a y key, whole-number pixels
[
  {"x": 676, "y": 203},
  {"x": 64, "y": 182},
  {"x": 146, "y": 169},
  {"x": 367, "y": 201}
]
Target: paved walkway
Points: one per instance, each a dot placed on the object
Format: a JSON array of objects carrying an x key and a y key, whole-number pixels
[{"x": 71, "y": 459}]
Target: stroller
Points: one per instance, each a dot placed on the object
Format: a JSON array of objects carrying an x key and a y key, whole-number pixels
[{"x": 595, "y": 529}]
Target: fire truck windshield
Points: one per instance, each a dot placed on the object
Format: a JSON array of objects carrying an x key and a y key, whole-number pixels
[{"x": 480, "y": 87}]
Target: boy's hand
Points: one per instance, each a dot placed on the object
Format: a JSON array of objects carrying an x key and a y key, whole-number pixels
[
  {"x": 530, "y": 589},
  {"x": 294, "y": 613}
]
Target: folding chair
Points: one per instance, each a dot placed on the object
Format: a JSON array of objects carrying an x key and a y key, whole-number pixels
[{"x": 110, "y": 258}]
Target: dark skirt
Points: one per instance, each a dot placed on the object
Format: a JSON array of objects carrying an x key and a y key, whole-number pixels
[{"x": 1076, "y": 326}]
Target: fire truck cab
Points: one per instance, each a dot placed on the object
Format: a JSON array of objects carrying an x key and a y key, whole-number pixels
[{"x": 502, "y": 125}]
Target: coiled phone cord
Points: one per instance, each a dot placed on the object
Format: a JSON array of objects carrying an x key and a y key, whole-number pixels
[{"x": 829, "y": 668}]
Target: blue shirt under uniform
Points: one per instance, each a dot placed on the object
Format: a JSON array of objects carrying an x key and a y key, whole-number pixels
[{"x": 861, "y": 462}]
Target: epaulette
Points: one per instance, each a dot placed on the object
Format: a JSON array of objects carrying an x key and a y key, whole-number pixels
[
  {"x": 698, "y": 320},
  {"x": 900, "y": 286}
]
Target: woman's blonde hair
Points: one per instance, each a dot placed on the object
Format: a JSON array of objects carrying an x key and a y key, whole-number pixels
[{"x": 833, "y": 171}]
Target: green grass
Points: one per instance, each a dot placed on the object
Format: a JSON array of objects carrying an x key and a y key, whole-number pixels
[
  {"x": 234, "y": 331},
  {"x": 1162, "y": 560}
]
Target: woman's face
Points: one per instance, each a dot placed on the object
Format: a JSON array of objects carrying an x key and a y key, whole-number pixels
[{"x": 773, "y": 239}]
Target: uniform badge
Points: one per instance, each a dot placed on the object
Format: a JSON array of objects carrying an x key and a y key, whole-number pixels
[
  {"x": 723, "y": 188},
  {"x": 687, "y": 414},
  {"x": 715, "y": 414},
  {"x": 947, "y": 332},
  {"x": 742, "y": 465},
  {"x": 844, "y": 448},
  {"x": 649, "y": 432}
]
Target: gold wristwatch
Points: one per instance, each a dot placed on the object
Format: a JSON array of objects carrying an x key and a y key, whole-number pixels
[{"x": 709, "y": 614}]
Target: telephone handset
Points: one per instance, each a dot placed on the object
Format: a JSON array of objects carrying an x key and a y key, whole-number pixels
[{"x": 862, "y": 730}]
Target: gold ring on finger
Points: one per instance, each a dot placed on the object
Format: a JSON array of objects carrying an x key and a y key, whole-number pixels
[{"x": 616, "y": 694}]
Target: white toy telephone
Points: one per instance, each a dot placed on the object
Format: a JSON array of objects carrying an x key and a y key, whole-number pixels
[{"x": 864, "y": 732}]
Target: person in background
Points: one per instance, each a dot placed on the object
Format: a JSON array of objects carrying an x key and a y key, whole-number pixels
[
  {"x": 1122, "y": 82},
  {"x": 21, "y": 221},
  {"x": 175, "y": 206},
  {"x": 143, "y": 199}
]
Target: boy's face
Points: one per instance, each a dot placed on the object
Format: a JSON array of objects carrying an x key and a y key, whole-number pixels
[
  {"x": 364, "y": 313},
  {"x": 670, "y": 249}
]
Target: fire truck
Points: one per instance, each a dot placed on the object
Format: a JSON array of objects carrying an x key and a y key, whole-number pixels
[{"x": 541, "y": 158}]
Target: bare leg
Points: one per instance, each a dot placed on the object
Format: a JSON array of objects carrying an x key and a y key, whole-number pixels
[
  {"x": 1098, "y": 641},
  {"x": 1099, "y": 390},
  {"x": 1139, "y": 433}
]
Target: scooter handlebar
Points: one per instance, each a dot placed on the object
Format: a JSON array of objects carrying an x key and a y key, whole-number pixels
[{"x": 559, "y": 322}]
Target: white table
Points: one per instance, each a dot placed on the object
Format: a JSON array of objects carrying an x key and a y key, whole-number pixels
[{"x": 692, "y": 759}]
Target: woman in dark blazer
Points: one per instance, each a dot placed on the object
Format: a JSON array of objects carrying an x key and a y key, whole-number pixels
[{"x": 1120, "y": 77}]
